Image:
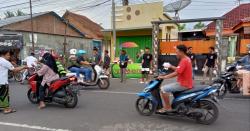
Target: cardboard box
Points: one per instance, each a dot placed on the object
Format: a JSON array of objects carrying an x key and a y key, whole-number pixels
[{"x": 246, "y": 83}]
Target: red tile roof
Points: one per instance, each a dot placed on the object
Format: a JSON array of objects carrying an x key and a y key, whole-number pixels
[
  {"x": 233, "y": 17},
  {"x": 85, "y": 25}
]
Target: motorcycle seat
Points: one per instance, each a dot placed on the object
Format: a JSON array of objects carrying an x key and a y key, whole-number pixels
[
  {"x": 196, "y": 88},
  {"x": 62, "y": 78}
]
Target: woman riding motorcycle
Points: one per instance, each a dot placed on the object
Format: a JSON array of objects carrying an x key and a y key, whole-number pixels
[{"x": 49, "y": 72}]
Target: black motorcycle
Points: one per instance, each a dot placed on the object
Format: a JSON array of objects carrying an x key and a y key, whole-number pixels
[{"x": 227, "y": 82}]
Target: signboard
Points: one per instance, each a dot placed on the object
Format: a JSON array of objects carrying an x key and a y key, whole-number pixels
[
  {"x": 14, "y": 41},
  {"x": 133, "y": 71}
]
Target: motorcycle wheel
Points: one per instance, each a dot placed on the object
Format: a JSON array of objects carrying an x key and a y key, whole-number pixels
[
  {"x": 72, "y": 100},
  {"x": 18, "y": 77},
  {"x": 145, "y": 106},
  {"x": 32, "y": 97},
  {"x": 222, "y": 91},
  {"x": 209, "y": 108},
  {"x": 103, "y": 83}
]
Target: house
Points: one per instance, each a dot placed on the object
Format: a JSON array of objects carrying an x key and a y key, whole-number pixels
[
  {"x": 91, "y": 29},
  {"x": 231, "y": 25},
  {"x": 133, "y": 24},
  {"x": 50, "y": 32}
]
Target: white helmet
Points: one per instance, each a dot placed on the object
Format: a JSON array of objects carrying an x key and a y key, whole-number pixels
[{"x": 72, "y": 51}]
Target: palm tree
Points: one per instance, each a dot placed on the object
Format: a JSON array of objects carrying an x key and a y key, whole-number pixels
[
  {"x": 9, "y": 14},
  {"x": 181, "y": 27},
  {"x": 20, "y": 13}
]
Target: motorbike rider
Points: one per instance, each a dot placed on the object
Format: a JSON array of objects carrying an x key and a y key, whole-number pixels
[
  {"x": 31, "y": 61},
  {"x": 245, "y": 62},
  {"x": 49, "y": 72},
  {"x": 183, "y": 72},
  {"x": 80, "y": 65}
]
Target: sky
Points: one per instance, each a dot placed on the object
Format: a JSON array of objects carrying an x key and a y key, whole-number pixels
[{"x": 102, "y": 14}]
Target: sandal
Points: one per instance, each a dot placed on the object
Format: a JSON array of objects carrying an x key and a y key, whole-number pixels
[
  {"x": 8, "y": 111},
  {"x": 163, "y": 110}
]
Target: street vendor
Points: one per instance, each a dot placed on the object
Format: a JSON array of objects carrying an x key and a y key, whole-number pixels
[
  {"x": 245, "y": 68},
  {"x": 5, "y": 66}
]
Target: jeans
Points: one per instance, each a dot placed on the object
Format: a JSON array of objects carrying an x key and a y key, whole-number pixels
[
  {"x": 41, "y": 92},
  {"x": 85, "y": 71}
]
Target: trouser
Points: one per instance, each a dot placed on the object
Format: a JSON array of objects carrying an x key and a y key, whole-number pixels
[
  {"x": 85, "y": 71},
  {"x": 25, "y": 73},
  {"x": 208, "y": 70},
  {"x": 4, "y": 96},
  {"x": 42, "y": 92},
  {"x": 123, "y": 74}
]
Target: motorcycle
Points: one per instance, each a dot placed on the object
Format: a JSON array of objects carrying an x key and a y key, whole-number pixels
[
  {"x": 60, "y": 91},
  {"x": 16, "y": 75},
  {"x": 100, "y": 79},
  {"x": 227, "y": 82},
  {"x": 196, "y": 103}
]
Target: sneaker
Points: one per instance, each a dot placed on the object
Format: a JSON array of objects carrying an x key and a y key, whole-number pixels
[
  {"x": 141, "y": 82},
  {"x": 80, "y": 80}
]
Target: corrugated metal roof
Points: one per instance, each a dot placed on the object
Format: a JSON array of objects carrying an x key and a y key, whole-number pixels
[{"x": 12, "y": 20}]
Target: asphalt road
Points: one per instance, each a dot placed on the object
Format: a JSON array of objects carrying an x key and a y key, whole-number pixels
[{"x": 113, "y": 110}]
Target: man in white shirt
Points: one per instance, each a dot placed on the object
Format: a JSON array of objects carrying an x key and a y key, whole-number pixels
[
  {"x": 5, "y": 66},
  {"x": 30, "y": 62}
]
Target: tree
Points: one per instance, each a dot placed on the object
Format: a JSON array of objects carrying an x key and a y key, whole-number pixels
[
  {"x": 9, "y": 14},
  {"x": 199, "y": 25},
  {"x": 20, "y": 13},
  {"x": 181, "y": 27},
  {"x": 125, "y": 2}
]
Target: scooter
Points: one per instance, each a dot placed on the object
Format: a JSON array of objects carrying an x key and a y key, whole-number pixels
[
  {"x": 60, "y": 91},
  {"x": 100, "y": 78},
  {"x": 199, "y": 103}
]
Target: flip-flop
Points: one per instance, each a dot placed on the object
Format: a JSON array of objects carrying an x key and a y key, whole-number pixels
[
  {"x": 163, "y": 110},
  {"x": 8, "y": 112}
]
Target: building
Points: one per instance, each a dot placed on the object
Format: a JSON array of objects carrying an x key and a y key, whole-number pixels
[
  {"x": 231, "y": 28},
  {"x": 91, "y": 29},
  {"x": 133, "y": 24},
  {"x": 50, "y": 32}
]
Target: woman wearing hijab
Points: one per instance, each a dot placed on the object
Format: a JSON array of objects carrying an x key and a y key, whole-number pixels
[{"x": 49, "y": 72}]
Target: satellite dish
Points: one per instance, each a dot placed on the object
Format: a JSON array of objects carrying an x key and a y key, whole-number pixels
[{"x": 176, "y": 6}]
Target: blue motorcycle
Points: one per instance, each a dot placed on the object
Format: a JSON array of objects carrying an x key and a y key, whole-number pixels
[{"x": 199, "y": 103}]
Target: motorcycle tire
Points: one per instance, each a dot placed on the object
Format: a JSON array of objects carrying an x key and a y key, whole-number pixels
[
  {"x": 32, "y": 97},
  {"x": 103, "y": 83},
  {"x": 208, "y": 106},
  {"x": 222, "y": 91},
  {"x": 73, "y": 102},
  {"x": 149, "y": 105},
  {"x": 18, "y": 77}
]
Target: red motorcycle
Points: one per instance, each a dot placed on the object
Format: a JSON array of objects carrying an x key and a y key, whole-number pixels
[{"x": 60, "y": 91}]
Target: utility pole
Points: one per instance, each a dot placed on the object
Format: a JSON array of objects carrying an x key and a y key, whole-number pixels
[
  {"x": 114, "y": 25},
  {"x": 65, "y": 41},
  {"x": 32, "y": 31}
]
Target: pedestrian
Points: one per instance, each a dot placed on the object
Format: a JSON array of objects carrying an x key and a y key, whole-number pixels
[
  {"x": 123, "y": 63},
  {"x": 147, "y": 60},
  {"x": 210, "y": 65},
  {"x": 5, "y": 66},
  {"x": 31, "y": 62},
  {"x": 97, "y": 60},
  {"x": 106, "y": 64},
  {"x": 192, "y": 57}
]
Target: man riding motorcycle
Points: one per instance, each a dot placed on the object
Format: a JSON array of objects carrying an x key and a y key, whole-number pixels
[
  {"x": 183, "y": 72},
  {"x": 30, "y": 62},
  {"x": 80, "y": 65}
]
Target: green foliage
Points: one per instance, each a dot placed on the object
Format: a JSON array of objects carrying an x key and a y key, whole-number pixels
[
  {"x": 199, "y": 25},
  {"x": 181, "y": 27},
  {"x": 9, "y": 14}
]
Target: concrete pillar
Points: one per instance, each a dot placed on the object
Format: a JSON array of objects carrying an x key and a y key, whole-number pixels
[{"x": 155, "y": 35}]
